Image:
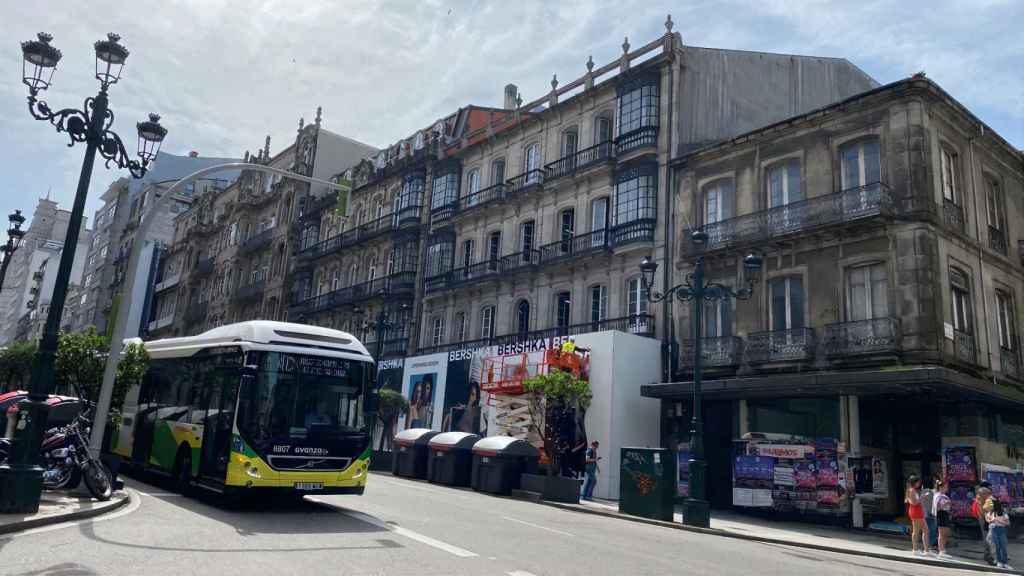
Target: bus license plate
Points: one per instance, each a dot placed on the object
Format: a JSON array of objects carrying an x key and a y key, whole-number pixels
[{"x": 309, "y": 485}]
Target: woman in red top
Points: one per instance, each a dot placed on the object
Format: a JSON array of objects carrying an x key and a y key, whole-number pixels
[{"x": 915, "y": 511}]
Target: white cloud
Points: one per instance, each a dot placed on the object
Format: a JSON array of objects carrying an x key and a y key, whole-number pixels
[{"x": 224, "y": 73}]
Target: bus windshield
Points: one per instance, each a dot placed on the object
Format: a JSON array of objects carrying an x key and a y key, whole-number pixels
[{"x": 297, "y": 396}]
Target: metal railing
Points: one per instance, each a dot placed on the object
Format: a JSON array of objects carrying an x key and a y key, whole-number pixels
[
  {"x": 574, "y": 246},
  {"x": 636, "y": 231},
  {"x": 716, "y": 352},
  {"x": 793, "y": 345},
  {"x": 322, "y": 248},
  {"x": 997, "y": 239},
  {"x": 953, "y": 215},
  {"x": 408, "y": 216},
  {"x": 397, "y": 284},
  {"x": 524, "y": 182},
  {"x": 572, "y": 163},
  {"x": 841, "y": 207},
  {"x": 483, "y": 197},
  {"x": 639, "y": 324},
  {"x": 639, "y": 138},
  {"x": 862, "y": 337},
  {"x": 519, "y": 260},
  {"x": 169, "y": 282},
  {"x": 1009, "y": 362},
  {"x": 473, "y": 272},
  {"x": 257, "y": 242},
  {"x": 964, "y": 347},
  {"x": 251, "y": 291}
]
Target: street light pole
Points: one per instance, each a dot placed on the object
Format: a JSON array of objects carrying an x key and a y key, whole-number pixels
[
  {"x": 14, "y": 236},
  {"x": 381, "y": 325},
  {"x": 21, "y": 479},
  {"x": 696, "y": 509}
]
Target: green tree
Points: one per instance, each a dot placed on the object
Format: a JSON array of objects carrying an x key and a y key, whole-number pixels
[
  {"x": 16, "y": 365},
  {"x": 130, "y": 370},
  {"x": 553, "y": 397},
  {"x": 79, "y": 363},
  {"x": 392, "y": 404}
]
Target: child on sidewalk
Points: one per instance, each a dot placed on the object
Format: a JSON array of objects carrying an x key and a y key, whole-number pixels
[
  {"x": 942, "y": 508},
  {"x": 998, "y": 526}
]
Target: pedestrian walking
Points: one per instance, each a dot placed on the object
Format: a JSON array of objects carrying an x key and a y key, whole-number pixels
[
  {"x": 942, "y": 510},
  {"x": 915, "y": 511},
  {"x": 591, "y": 471},
  {"x": 927, "y": 495},
  {"x": 998, "y": 525},
  {"x": 981, "y": 495}
]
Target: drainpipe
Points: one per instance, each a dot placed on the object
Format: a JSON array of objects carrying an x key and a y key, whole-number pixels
[
  {"x": 668, "y": 331},
  {"x": 981, "y": 273}
]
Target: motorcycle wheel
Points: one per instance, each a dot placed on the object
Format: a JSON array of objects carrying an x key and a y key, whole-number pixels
[
  {"x": 97, "y": 480},
  {"x": 69, "y": 482}
]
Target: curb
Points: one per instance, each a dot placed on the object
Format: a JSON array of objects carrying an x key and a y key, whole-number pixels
[
  {"x": 29, "y": 524},
  {"x": 779, "y": 541}
]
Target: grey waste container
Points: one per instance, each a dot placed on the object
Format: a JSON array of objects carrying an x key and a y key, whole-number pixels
[
  {"x": 451, "y": 458},
  {"x": 410, "y": 452},
  {"x": 499, "y": 462}
]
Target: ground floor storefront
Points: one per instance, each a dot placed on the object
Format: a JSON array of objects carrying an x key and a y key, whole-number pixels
[{"x": 838, "y": 447}]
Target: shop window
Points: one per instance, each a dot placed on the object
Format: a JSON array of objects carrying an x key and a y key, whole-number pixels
[{"x": 807, "y": 417}]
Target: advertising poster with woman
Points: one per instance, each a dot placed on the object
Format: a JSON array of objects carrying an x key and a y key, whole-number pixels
[
  {"x": 423, "y": 387},
  {"x": 463, "y": 401}
]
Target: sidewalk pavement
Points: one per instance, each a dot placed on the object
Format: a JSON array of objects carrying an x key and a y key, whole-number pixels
[
  {"x": 57, "y": 507},
  {"x": 968, "y": 554}
]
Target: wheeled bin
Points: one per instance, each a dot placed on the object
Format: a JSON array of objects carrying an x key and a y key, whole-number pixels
[
  {"x": 451, "y": 458},
  {"x": 500, "y": 461},
  {"x": 410, "y": 453}
]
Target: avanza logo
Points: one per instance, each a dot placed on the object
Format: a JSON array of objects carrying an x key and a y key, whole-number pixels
[{"x": 311, "y": 451}]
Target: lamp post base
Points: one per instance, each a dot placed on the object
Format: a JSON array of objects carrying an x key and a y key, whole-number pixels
[
  {"x": 697, "y": 513},
  {"x": 20, "y": 489}
]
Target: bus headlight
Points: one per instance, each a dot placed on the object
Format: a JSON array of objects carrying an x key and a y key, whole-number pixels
[{"x": 252, "y": 470}]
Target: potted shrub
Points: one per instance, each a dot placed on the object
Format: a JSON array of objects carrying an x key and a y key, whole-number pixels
[
  {"x": 391, "y": 405},
  {"x": 553, "y": 398}
]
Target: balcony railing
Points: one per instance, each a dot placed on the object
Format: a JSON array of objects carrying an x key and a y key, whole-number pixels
[
  {"x": 203, "y": 267},
  {"x": 519, "y": 260},
  {"x": 169, "y": 282},
  {"x": 482, "y": 197},
  {"x": 1009, "y": 362},
  {"x": 577, "y": 161},
  {"x": 196, "y": 312},
  {"x": 838, "y": 208},
  {"x": 964, "y": 347},
  {"x": 397, "y": 284},
  {"x": 997, "y": 240},
  {"x": 574, "y": 246},
  {"x": 794, "y": 345},
  {"x": 322, "y": 248},
  {"x": 442, "y": 214},
  {"x": 862, "y": 337},
  {"x": 635, "y": 231},
  {"x": 639, "y": 138},
  {"x": 408, "y": 216},
  {"x": 251, "y": 291},
  {"x": 524, "y": 182},
  {"x": 639, "y": 324},
  {"x": 160, "y": 323},
  {"x": 716, "y": 352},
  {"x": 953, "y": 215},
  {"x": 473, "y": 273},
  {"x": 395, "y": 346},
  {"x": 257, "y": 242}
]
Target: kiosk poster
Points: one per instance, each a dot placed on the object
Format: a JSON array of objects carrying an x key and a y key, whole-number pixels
[
  {"x": 961, "y": 496},
  {"x": 828, "y": 473},
  {"x": 753, "y": 477},
  {"x": 683, "y": 460},
  {"x": 805, "y": 474},
  {"x": 960, "y": 464},
  {"x": 879, "y": 478}
]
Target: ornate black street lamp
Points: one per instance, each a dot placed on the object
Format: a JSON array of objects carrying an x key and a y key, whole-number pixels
[
  {"x": 696, "y": 511},
  {"x": 21, "y": 479},
  {"x": 382, "y": 326},
  {"x": 14, "y": 236}
]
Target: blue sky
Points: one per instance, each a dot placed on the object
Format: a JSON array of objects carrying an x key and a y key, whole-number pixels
[{"x": 225, "y": 73}]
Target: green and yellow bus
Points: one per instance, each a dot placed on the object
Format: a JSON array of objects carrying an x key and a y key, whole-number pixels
[{"x": 253, "y": 406}]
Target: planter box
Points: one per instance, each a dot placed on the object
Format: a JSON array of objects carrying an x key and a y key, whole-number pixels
[{"x": 553, "y": 488}]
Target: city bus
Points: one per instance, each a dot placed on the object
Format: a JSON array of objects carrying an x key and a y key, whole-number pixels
[{"x": 252, "y": 407}]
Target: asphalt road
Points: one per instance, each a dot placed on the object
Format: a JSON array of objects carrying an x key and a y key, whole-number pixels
[{"x": 398, "y": 527}]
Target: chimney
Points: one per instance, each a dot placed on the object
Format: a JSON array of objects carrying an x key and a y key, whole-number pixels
[{"x": 511, "y": 91}]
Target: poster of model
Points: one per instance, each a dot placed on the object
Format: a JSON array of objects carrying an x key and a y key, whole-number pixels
[
  {"x": 463, "y": 400},
  {"x": 423, "y": 387}
]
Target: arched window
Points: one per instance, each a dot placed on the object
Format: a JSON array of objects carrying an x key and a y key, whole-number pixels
[
  {"x": 371, "y": 273},
  {"x": 498, "y": 171},
  {"x": 473, "y": 184},
  {"x": 353, "y": 275},
  {"x": 522, "y": 325},
  {"x": 963, "y": 314},
  {"x": 526, "y": 240},
  {"x": 531, "y": 162}
]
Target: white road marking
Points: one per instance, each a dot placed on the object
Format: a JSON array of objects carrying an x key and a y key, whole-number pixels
[
  {"x": 159, "y": 494},
  {"x": 417, "y": 486},
  {"x": 410, "y": 534},
  {"x": 538, "y": 526},
  {"x": 520, "y": 573},
  {"x": 124, "y": 511}
]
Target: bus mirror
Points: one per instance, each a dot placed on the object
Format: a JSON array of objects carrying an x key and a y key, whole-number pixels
[{"x": 371, "y": 402}]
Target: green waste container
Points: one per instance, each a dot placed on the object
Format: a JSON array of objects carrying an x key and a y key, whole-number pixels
[{"x": 647, "y": 482}]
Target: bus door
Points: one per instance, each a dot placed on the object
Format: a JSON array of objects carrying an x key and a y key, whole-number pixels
[{"x": 219, "y": 399}]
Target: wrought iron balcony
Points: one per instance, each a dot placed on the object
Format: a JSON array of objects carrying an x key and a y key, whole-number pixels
[
  {"x": 862, "y": 337},
  {"x": 953, "y": 216},
  {"x": 256, "y": 242},
  {"x": 964, "y": 347},
  {"x": 159, "y": 323},
  {"x": 635, "y": 231},
  {"x": 574, "y": 247},
  {"x": 839, "y": 208},
  {"x": 322, "y": 248},
  {"x": 639, "y": 324},
  {"x": 796, "y": 345},
  {"x": 1009, "y": 362},
  {"x": 716, "y": 352},
  {"x": 482, "y": 198},
  {"x": 524, "y": 183},
  {"x": 251, "y": 291},
  {"x": 196, "y": 312},
  {"x": 997, "y": 239},
  {"x": 371, "y": 229},
  {"x": 518, "y": 261},
  {"x": 203, "y": 267},
  {"x": 443, "y": 214},
  {"x": 395, "y": 347},
  {"x": 408, "y": 216},
  {"x": 167, "y": 283},
  {"x": 473, "y": 273},
  {"x": 399, "y": 284},
  {"x": 639, "y": 138},
  {"x": 581, "y": 160}
]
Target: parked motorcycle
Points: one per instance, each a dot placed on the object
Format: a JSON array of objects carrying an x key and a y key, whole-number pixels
[{"x": 67, "y": 461}]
